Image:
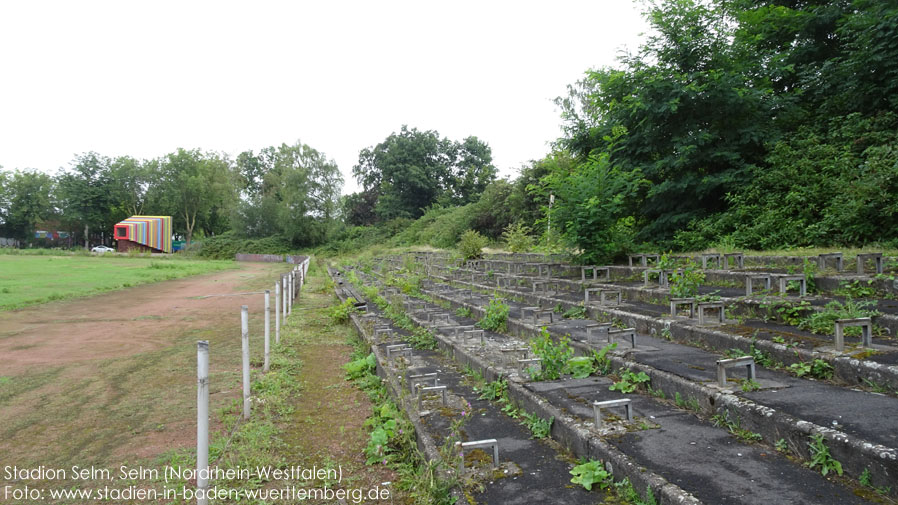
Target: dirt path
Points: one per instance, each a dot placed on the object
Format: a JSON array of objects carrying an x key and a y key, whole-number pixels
[
  {"x": 327, "y": 428},
  {"x": 112, "y": 377}
]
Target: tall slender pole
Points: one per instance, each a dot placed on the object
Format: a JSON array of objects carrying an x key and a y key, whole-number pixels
[
  {"x": 277, "y": 312},
  {"x": 284, "y": 290},
  {"x": 202, "y": 421},
  {"x": 267, "y": 330},
  {"x": 244, "y": 327},
  {"x": 290, "y": 295}
]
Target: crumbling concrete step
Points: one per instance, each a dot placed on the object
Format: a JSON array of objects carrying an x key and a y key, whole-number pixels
[{"x": 570, "y": 404}]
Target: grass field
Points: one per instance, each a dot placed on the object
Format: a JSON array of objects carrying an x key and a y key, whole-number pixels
[{"x": 32, "y": 279}]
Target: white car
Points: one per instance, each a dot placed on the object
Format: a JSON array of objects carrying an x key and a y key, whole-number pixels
[{"x": 102, "y": 249}]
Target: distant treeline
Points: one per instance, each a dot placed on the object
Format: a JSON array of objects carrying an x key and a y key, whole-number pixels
[{"x": 738, "y": 123}]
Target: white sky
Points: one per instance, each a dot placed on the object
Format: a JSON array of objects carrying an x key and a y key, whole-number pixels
[{"x": 144, "y": 78}]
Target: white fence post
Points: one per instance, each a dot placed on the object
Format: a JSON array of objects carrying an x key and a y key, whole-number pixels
[
  {"x": 202, "y": 421},
  {"x": 284, "y": 291},
  {"x": 290, "y": 294},
  {"x": 277, "y": 313},
  {"x": 267, "y": 331},
  {"x": 244, "y": 326}
]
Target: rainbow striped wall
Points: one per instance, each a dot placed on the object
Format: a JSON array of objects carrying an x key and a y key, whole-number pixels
[{"x": 151, "y": 231}]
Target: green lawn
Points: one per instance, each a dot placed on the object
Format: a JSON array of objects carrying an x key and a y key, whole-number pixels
[{"x": 28, "y": 280}]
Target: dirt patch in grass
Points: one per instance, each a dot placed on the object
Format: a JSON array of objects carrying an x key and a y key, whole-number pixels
[{"x": 112, "y": 378}]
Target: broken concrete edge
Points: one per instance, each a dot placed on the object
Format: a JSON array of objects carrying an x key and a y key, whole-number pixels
[
  {"x": 856, "y": 455},
  {"x": 851, "y": 371},
  {"x": 570, "y": 433},
  {"x": 426, "y": 445}
]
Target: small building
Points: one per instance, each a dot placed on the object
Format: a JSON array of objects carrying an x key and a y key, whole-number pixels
[{"x": 145, "y": 234}]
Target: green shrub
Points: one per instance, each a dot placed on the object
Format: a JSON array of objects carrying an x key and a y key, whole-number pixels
[
  {"x": 685, "y": 283},
  {"x": 824, "y": 322},
  {"x": 517, "y": 238},
  {"x": 496, "y": 316},
  {"x": 340, "y": 313},
  {"x": 471, "y": 245},
  {"x": 554, "y": 357}
]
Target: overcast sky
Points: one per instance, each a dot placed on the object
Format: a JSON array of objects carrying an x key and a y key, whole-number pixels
[{"x": 144, "y": 78}]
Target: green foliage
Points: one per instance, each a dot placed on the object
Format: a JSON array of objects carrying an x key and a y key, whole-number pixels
[
  {"x": 735, "y": 428},
  {"x": 591, "y": 473},
  {"x": 581, "y": 367},
  {"x": 857, "y": 289},
  {"x": 782, "y": 445},
  {"x": 494, "y": 390},
  {"x": 471, "y": 244},
  {"x": 824, "y": 322},
  {"x": 360, "y": 367},
  {"x": 411, "y": 170},
  {"x": 539, "y": 427},
  {"x": 496, "y": 316},
  {"x": 554, "y": 356},
  {"x": 685, "y": 282},
  {"x": 629, "y": 381},
  {"x": 820, "y": 456},
  {"x": 601, "y": 359},
  {"x": 464, "y": 312},
  {"x": 578, "y": 312},
  {"x": 749, "y": 385},
  {"x": 817, "y": 369},
  {"x": 340, "y": 313},
  {"x": 517, "y": 238},
  {"x": 592, "y": 207}
]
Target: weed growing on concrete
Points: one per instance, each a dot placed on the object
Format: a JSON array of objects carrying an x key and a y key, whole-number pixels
[
  {"x": 538, "y": 426},
  {"x": 392, "y": 442},
  {"x": 340, "y": 313},
  {"x": 591, "y": 473},
  {"x": 629, "y": 381},
  {"x": 554, "y": 357},
  {"x": 581, "y": 367},
  {"x": 464, "y": 312},
  {"x": 823, "y": 322},
  {"x": 749, "y": 385},
  {"x": 782, "y": 445},
  {"x": 684, "y": 283},
  {"x": 820, "y": 456},
  {"x": 578, "y": 312},
  {"x": 735, "y": 428},
  {"x": 657, "y": 393},
  {"x": 857, "y": 289},
  {"x": 492, "y": 391},
  {"x": 496, "y": 316},
  {"x": 626, "y": 492},
  {"x": 601, "y": 359},
  {"x": 817, "y": 369}
]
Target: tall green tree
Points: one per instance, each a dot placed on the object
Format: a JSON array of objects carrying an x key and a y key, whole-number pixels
[
  {"x": 85, "y": 195},
  {"x": 197, "y": 189},
  {"x": 25, "y": 200},
  {"x": 412, "y": 170},
  {"x": 288, "y": 190}
]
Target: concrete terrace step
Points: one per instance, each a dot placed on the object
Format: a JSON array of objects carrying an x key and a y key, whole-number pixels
[
  {"x": 756, "y": 465},
  {"x": 858, "y": 439}
]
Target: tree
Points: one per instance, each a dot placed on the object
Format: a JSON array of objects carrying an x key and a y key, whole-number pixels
[
  {"x": 85, "y": 194},
  {"x": 196, "y": 188},
  {"x": 412, "y": 170},
  {"x": 289, "y": 190},
  {"x": 25, "y": 200}
]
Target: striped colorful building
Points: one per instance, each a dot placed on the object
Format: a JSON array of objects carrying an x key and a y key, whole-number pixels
[{"x": 153, "y": 233}]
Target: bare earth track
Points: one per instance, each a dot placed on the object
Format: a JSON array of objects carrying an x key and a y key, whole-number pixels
[{"x": 112, "y": 377}]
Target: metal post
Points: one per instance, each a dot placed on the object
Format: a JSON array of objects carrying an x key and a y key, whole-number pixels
[
  {"x": 277, "y": 313},
  {"x": 290, "y": 294},
  {"x": 284, "y": 291},
  {"x": 244, "y": 327},
  {"x": 202, "y": 421},
  {"x": 267, "y": 330}
]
